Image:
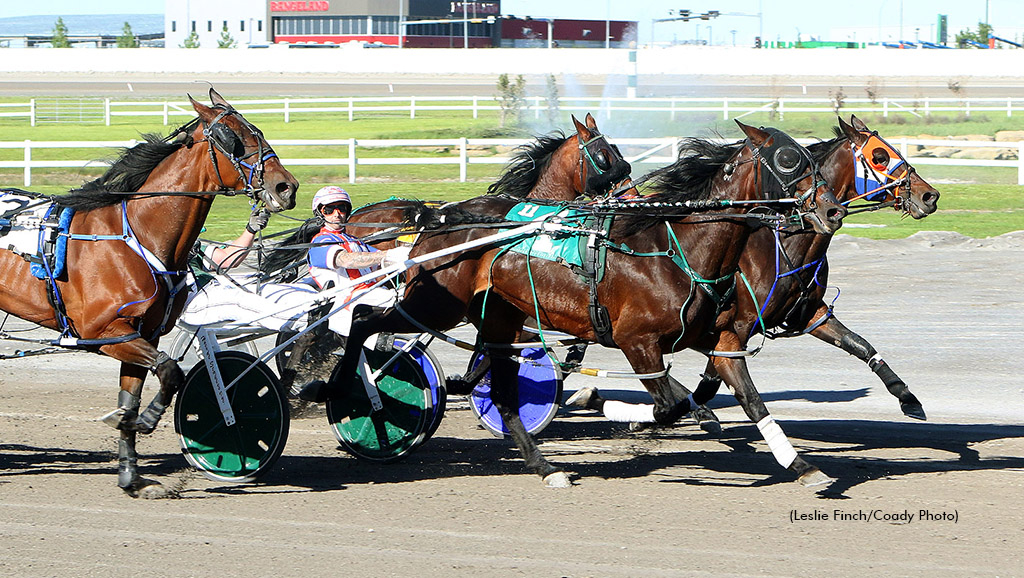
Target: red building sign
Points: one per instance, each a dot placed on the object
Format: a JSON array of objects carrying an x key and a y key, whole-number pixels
[{"x": 309, "y": 6}]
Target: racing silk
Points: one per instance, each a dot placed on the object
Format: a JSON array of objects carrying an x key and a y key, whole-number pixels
[{"x": 321, "y": 257}]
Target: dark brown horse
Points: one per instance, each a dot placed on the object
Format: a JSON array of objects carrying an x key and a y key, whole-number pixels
[
  {"x": 667, "y": 271},
  {"x": 118, "y": 296},
  {"x": 787, "y": 272}
]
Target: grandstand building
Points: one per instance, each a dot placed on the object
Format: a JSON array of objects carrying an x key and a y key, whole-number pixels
[{"x": 406, "y": 23}]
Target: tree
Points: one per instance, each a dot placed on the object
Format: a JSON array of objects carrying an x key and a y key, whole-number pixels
[
  {"x": 60, "y": 35},
  {"x": 191, "y": 41},
  {"x": 981, "y": 36},
  {"x": 511, "y": 98},
  {"x": 127, "y": 38},
  {"x": 552, "y": 101},
  {"x": 226, "y": 41}
]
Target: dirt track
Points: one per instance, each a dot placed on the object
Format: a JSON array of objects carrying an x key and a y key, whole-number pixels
[{"x": 945, "y": 311}]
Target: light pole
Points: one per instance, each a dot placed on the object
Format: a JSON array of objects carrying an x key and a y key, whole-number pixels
[
  {"x": 401, "y": 29},
  {"x": 608, "y": 24},
  {"x": 709, "y": 35},
  {"x": 465, "y": 26}
]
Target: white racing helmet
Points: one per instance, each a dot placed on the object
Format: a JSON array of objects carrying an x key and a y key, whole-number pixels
[{"x": 330, "y": 195}]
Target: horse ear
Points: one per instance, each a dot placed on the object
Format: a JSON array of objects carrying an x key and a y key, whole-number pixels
[
  {"x": 756, "y": 135},
  {"x": 581, "y": 131},
  {"x": 217, "y": 99},
  {"x": 591, "y": 123},
  {"x": 851, "y": 132},
  {"x": 859, "y": 124},
  {"x": 206, "y": 113}
]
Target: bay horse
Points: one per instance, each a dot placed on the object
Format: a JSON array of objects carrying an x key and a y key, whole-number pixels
[
  {"x": 553, "y": 167},
  {"x": 668, "y": 272},
  {"x": 786, "y": 272},
  {"x": 128, "y": 245}
]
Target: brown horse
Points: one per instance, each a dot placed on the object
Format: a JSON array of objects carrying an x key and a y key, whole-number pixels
[
  {"x": 127, "y": 256},
  {"x": 787, "y": 273},
  {"x": 667, "y": 274}
]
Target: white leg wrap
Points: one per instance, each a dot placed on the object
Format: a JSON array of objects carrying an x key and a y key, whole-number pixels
[
  {"x": 875, "y": 358},
  {"x": 777, "y": 441},
  {"x": 629, "y": 412}
]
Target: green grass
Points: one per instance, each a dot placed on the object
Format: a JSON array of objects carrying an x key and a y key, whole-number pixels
[{"x": 984, "y": 201}]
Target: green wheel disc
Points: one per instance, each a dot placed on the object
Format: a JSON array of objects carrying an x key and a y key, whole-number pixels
[
  {"x": 403, "y": 422},
  {"x": 247, "y": 449}
]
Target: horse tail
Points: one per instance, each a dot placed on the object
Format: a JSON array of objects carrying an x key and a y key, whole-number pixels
[{"x": 286, "y": 258}]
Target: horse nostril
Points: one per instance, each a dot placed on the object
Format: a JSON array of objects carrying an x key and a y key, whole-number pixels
[
  {"x": 283, "y": 188},
  {"x": 930, "y": 198},
  {"x": 836, "y": 215}
]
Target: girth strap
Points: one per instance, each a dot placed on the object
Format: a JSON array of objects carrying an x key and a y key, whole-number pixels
[{"x": 593, "y": 265}]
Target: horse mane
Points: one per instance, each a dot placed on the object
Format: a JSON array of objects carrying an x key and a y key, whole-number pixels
[
  {"x": 688, "y": 179},
  {"x": 423, "y": 216},
  {"x": 128, "y": 172},
  {"x": 822, "y": 149},
  {"x": 282, "y": 258},
  {"x": 523, "y": 171}
]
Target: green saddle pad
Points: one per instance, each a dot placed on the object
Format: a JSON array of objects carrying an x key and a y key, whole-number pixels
[{"x": 565, "y": 248}]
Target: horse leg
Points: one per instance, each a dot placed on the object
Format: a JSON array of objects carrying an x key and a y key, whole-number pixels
[
  {"x": 734, "y": 372},
  {"x": 835, "y": 333},
  {"x": 137, "y": 357}
]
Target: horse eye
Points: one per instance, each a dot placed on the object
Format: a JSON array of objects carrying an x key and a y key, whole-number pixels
[{"x": 880, "y": 156}]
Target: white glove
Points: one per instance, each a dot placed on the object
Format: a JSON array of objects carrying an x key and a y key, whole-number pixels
[
  {"x": 396, "y": 256},
  {"x": 257, "y": 221}
]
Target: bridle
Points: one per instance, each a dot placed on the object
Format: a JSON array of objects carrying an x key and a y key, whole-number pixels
[
  {"x": 594, "y": 164},
  {"x": 221, "y": 138},
  {"x": 878, "y": 182},
  {"x": 788, "y": 163}
]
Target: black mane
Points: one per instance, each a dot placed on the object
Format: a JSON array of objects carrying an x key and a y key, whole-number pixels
[
  {"x": 127, "y": 173},
  {"x": 687, "y": 179},
  {"x": 526, "y": 166},
  {"x": 822, "y": 149}
]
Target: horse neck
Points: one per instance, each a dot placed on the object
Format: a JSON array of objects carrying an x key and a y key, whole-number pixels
[
  {"x": 559, "y": 181},
  {"x": 168, "y": 225}
]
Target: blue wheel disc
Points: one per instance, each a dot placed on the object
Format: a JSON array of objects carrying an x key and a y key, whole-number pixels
[{"x": 540, "y": 393}]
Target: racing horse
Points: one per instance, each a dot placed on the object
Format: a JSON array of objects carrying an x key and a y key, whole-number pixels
[
  {"x": 555, "y": 167},
  {"x": 128, "y": 245},
  {"x": 668, "y": 272},
  {"x": 783, "y": 275}
]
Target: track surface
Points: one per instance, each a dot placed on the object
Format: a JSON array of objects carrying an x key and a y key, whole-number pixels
[{"x": 945, "y": 311}]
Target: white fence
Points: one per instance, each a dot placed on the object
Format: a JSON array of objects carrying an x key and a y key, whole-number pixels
[
  {"x": 605, "y": 107},
  {"x": 647, "y": 150}
]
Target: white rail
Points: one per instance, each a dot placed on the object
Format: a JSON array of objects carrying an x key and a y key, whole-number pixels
[
  {"x": 647, "y": 150},
  {"x": 728, "y": 107}
]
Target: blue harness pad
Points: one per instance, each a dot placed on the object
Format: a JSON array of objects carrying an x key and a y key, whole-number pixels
[
  {"x": 60, "y": 246},
  {"x": 564, "y": 249}
]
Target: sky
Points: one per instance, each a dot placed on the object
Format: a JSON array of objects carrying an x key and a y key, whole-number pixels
[{"x": 857, "y": 20}]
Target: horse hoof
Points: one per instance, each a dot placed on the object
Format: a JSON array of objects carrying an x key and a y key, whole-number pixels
[
  {"x": 314, "y": 391},
  {"x": 711, "y": 426},
  {"x": 815, "y": 478},
  {"x": 913, "y": 410},
  {"x": 558, "y": 480}
]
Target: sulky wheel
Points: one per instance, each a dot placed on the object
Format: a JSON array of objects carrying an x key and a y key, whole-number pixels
[
  {"x": 540, "y": 392},
  {"x": 403, "y": 421},
  {"x": 247, "y": 449},
  {"x": 435, "y": 377}
]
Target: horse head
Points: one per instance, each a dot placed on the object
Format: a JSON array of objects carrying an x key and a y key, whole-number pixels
[
  {"x": 786, "y": 170},
  {"x": 601, "y": 165},
  {"x": 886, "y": 174},
  {"x": 241, "y": 157}
]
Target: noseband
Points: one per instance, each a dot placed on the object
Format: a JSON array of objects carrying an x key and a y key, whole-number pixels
[
  {"x": 788, "y": 163},
  {"x": 874, "y": 181}
]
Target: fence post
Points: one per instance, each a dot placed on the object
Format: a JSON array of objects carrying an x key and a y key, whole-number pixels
[
  {"x": 1009, "y": 107},
  {"x": 1020, "y": 163},
  {"x": 167, "y": 109},
  {"x": 32, "y": 111},
  {"x": 106, "y": 111},
  {"x": 287, "y": 112},
  {"x": 412, "y": 107},
  {"x": 351, "y": 108},
  {"x": 474, "y": 107},
  {"x": 927, "y": 106},
  {"x": 352, "y": 161},
  {"x": 463, "y": 159},
  {"x": 28, "y": 163},
  {"x": 782, "y": 110},
  {"x": 885, "y": 108},
  {"x": 967, "y": 108},
  {"x": 903, "y": 147},
  {"x": 725, "y": 109},
  {"x": 672, "y": 110},
  {"x": 536, "y": 107}
]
